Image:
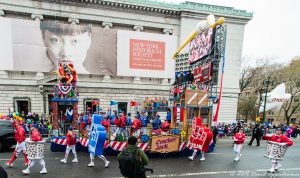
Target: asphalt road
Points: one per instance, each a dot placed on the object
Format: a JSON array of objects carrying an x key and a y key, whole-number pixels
[{"x": 220, "y": 163}]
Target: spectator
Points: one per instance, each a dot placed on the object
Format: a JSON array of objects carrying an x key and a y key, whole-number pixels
[{"x": 190, "y": 77}]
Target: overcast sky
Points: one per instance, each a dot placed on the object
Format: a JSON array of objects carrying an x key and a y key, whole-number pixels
[{"x": 274, "y": 30}]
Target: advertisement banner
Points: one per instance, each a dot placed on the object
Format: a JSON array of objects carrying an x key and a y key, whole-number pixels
[
  {"x": 203, "y": 73},
  {"x": 165, "y": 144},
  {"x": 145, "y": 54},
  {"x": 28, "y": 45}
]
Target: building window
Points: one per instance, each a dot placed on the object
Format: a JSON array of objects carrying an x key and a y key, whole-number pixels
[
  {"x": 91, "y": 105},
  {"x": 22, "y": 104},
  {"x": 122, "y": 106}
]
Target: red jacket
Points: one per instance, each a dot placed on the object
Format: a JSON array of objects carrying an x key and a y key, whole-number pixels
[
  {"x": 71, "y": 138},
  {"x": 121, "y": 122},
  {"x": 239, "y": 138},
  {"x": 278, "y": 139},
  {"x": 137, "y": 124},
  {"x": 106, "y": 124},
  {"x": 35, "y": 136},
  {"x": 165, "y": 126},
  {"x": 20, "y": 134}
]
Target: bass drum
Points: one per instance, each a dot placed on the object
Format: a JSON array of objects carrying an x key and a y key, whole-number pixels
[
  {"x": 275, "y": 150},
  {"x": 35, "y": 150}
]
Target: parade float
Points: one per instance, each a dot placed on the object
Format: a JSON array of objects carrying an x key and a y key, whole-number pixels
[{"x": 189, "y": 105}]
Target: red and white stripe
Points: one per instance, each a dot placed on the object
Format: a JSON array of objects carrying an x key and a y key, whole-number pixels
[
  {"x": 84, "y": 141},
  {"x": 119, "y": 146},
  {"x": 60, "y": 141}
]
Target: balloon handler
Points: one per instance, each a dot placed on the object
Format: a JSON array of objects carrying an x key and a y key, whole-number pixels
[
  {"x": 97, "y": 140},
  {"x": 200, "y": 139},
  {"x": 20, "y": 136},
  {"x": 277, "y": 145},
  {"x": 35, "y": 148},
  {"x": 71, "y": 145}
]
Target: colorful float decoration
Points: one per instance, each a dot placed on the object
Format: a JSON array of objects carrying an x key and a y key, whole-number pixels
[{"x": 190, "y": 104}]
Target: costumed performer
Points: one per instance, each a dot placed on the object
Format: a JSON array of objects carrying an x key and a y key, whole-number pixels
[
  {"x": 20, "y": 136},
  {"x": 97, "y": 140},
  {"x": 200, "y": 139},
  {"x": 136, "y": 127},
  {"x": 165, "y": 127},
  {"x": 35, "y": 136},
  {"x": 238, "y": 140},
  {"x": 156, "y": 123},
  {"x": 144, "y": 119},
  {"x": 71, "y": 145},
  {"x": 278, "y": 149}
]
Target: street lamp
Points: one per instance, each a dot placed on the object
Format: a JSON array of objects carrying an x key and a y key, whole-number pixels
[{"x": 266, "y": 83}]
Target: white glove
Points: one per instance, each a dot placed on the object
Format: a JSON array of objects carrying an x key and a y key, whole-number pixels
[
  {"x": 235, "y": 139},
  {"x": 282, "y": 144}
]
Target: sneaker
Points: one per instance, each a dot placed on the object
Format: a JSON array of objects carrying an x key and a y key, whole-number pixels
[
  {"x": 237, "y": 158},
  {"x": 63, "y": 161},
  {"x": 277, "y": 166},
  {"x": 92, "y": 164},
  {"x": 9, "y": 164},
  {"x": 26, "y": 171},
  {"x": 43, "y": 171},
  {"x": 191, "y": 158},
  {"x": 75, "y": 160},
  {"x": 106, "y": 164},
  {"x": 26, "y": 164},
  {"x": 272, "y": 170},
  {"x": 202, "y": 159}
]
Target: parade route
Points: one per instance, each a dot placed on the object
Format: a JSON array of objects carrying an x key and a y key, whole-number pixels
[{"x": 218, "y": 164}]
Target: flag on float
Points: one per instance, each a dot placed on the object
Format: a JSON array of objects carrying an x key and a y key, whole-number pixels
[
  {"x": 134, "y": 103},
  {"x": 112, "y": 103},
  {"x": 220, "y": 91}
]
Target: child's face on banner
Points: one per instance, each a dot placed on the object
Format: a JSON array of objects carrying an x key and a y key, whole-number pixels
[{"x": 72, "y": 48}]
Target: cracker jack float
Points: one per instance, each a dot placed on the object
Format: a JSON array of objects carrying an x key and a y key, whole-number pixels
[{"x": 189, "y": 113}]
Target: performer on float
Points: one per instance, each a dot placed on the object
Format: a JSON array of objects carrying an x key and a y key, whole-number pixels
[
  {"x": 20, "y": 137},
  {"x": 71, "y": 145},
  {"x": 106, "y": 123},
  {"x": 156, "y": 123},
  {"x": 276, "y": 147},
  {"x": 165, "y": 127},
  {"x": 144, "y": 119},
  {"x": 200, "y": 139},
  {"x": 238, "y": 139},
  {"x": 97, "y": 140},
  {"x": 35, "y": 136},
  {"x": 136, "y": 127},
  {"x": 69, "y": 114}
]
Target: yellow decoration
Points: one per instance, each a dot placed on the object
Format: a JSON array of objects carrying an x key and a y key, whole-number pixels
[
  {"x": 14, "y": 114},
  {"x": 257, "y": 119},
  {"x": 182, "y": 134}
]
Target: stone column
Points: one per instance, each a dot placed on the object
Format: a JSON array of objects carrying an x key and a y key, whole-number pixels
[
  {"x": 2, "y": 13},
  {"x": 54, "y": 109},
  {"x": 39, "y": 76},
  {"x": 75, "y": 115},
  {"x": 137, "y": 28},
  {"x": 73, "y": 21},
  {"x": 107, "y": 25},
  {"x": 37, "y": 17}
]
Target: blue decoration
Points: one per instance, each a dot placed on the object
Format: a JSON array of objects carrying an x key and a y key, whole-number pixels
[
  {"x": 112, "y": 102},
  {"x": 145, "y": 138},
  {"x": 175, "y": 131},
  {"x": 97, "y": 136}
]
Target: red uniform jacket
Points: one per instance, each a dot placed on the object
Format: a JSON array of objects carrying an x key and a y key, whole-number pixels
[
  {"x": 20, "y": 134},
  {"x": 121, "y": 122},
  {"x": 106, "y": 124},
  {"x": 71, "y": 138},
  {"x": 239, "y": 138},
  {"x": 35, "y": 136},
  {"x": 137, "y": 124},
  {"x": 278, "y": 139},
  {"x": 165, "y": 126}
]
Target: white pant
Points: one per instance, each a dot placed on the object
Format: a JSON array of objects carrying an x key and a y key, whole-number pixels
[
  {"x": 41, "y": 161},
  {"x": 71, "y": 147},
  {"x": 20, "y": 147},
  {"x": 101, "y": 157},
  {"x": 237, "y": 148}
]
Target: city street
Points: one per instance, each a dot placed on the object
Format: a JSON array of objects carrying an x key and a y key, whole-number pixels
[{"x": 218, "y": 164}]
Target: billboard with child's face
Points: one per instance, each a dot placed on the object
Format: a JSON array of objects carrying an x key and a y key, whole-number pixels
[{"x": 39, "y": 46}]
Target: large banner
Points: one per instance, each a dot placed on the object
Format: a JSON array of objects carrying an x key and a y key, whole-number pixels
[
  {"x": 28, "y": 45},
  {"x": 145, "y": 54}
]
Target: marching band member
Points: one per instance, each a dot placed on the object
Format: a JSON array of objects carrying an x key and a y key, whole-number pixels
[
  {"x": 35, "y": 136},
  {"x": 281, "y": 140},
  {"x": 238, "y": 139},
  {"x": 20, "y": 137},
  {"x": 71, "y": 145}
]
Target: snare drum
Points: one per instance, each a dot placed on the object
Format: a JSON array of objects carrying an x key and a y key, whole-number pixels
[
  {"x": 35, "y": 150},
  {"x": 275, "y": 150}
]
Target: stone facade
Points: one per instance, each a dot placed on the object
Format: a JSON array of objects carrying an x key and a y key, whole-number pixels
[{"x": 146, "y": 16}]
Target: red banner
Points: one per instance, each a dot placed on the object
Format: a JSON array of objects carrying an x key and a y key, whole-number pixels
[{"x": 203, "y": 73}]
